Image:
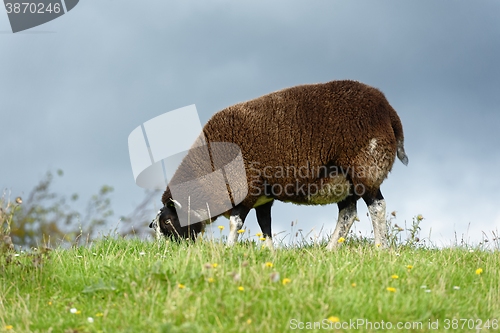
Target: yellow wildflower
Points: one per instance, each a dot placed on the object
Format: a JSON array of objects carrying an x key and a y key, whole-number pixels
[
  {"x": 214, "y": 265},
  {"x": 333, "y": 319},
  {"x": 286, "y": 281},
  {"x": 269, "y": 264},
  {"x": 249, "y": 321},
  {"x": 394, "y": 276},
  {"x": 181, "y": 286},
  {"x": 479, "y": 271},
  {"x": 221, "y": 227},
  {"x": 353, "y": 284},
  {"x": 391, "y": 289},
  {"x": 99, "y": 314},
  {"x": 262, "y": 239},
  {"x": 211, "y": 280},
  {"x": 258, "y": 234},
  {"x": 8, "y": 327},
  {"x": 341, "y": 240},
  {"x": 409, "y": 267},
  {"x": 241, "y": 231},
  {"x": 240, "y": 288}
]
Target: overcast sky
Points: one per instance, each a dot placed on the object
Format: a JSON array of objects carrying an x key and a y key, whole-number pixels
[{"x": 73, "y": 89}]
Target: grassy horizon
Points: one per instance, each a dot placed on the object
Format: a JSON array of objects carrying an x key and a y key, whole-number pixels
[{"x": 120, "y": 285}]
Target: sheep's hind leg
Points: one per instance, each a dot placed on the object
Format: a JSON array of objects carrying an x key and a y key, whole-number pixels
[
  {"x": 376, "y": 208},
  {"x": 347, "y": 216},
  {"x": 236, "y": 220},
  {"x": 263, "y": 213}
]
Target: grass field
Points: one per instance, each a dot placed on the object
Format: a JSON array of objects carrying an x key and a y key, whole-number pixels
[{"x": 120, "y": 285}]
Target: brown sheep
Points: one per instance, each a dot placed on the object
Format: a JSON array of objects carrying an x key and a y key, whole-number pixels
[{"x": 311, "y": 144}]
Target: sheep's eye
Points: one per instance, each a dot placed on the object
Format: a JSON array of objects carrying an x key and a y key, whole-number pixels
[{"x": 170, "y": 205}]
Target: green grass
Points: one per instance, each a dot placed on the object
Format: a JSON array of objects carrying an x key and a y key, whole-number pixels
[{"x": 139, "y": 286}]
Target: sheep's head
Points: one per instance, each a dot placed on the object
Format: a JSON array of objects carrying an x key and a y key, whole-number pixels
[{"x": 166, "y": 223}]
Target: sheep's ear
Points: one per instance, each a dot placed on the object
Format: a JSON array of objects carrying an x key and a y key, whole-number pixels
[{"x": 174, "y": 204}]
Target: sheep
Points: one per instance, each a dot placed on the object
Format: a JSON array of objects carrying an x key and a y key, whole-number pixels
[{"x": 312, "y": 144}]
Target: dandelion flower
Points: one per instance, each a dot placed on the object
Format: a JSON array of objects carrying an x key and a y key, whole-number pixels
[
  {"x": 214, "y": 265},
  {"x": 341, "y": 240},
  {"x": 249, "y": 321},
  {"x": 50, "y": 303},
  {"x": 8, "y": 327},
  {"x": 394, "y": 276},
  {"x": 211, "y": 280},
  {"x": 269, "y": 264},
  {"x": 479, "y": 271},
  {"x": 262, "y": 238},
  {"x": 391, "y": 289},
  {"x": 181, "y": 286},
  {"x": 353, "y": 284},
  {"x": 240, "y": 288},
  {"x": 286, "y": 281},
  {"x": 409, "y": 267},
  {"x": 241, "y": 231},
  {"x": 221, "y": 227},
  {"x": 258, "y": 234},
  {"x": 333, "y": 319},
  {"x": 99, "y": 314}
]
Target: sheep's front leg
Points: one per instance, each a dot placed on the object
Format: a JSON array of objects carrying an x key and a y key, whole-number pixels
[
  {"x": 263, "y": 213},
  {"x": 236, "y": 220},
  {"x": 376, "y": 208},
  {"x": 347, "y": 216}
]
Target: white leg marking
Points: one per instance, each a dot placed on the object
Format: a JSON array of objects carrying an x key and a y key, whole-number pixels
[
  {"x": 377, "y": 214},
  {"x": 269, "y": 243},
  {"x": 344, "y": 223},
  {"x": 235, "y": 224}
]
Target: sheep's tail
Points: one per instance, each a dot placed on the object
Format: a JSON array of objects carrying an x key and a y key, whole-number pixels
[
  {"x": 398, "y": 132},
  {"x": 401, "y": 152}
]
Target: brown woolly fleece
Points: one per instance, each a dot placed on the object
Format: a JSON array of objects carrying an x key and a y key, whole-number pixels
[{"x": 309, "y": 144}]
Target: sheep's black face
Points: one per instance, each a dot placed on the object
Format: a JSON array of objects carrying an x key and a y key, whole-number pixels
[{"x": 167, "y": 224}]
